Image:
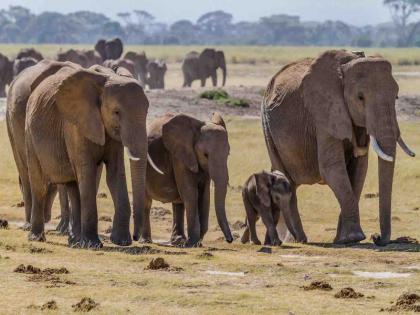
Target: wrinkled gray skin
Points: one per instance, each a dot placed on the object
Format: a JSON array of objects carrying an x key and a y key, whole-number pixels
[
  {"x": 6, "y": 73},
  {"x": 84, "y": 58},
  {"x": 157, "y": 70},
  {"x": 190, "y": 153},
  {"x": 266, "y": 195},
  {"x": 317, "y": 117},
  {"x": 203, "y": 66},
  {"x": 30, "y": 53},
  {"x": 21, "y": 64},
  {"x": 109, "y": 49},
  {"x": 125, "y": 63},
  {"x": 140, "y": 65},
  {"x": 105, "y": 110}
]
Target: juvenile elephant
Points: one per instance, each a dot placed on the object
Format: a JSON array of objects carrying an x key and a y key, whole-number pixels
[
  {"x": 157, "y": 70},
  {"x": 109, "y": 49},
  {"x": 318, "y": 117},
  {"x": 203, "y": 66},
  {"x": 190, "y": 153},
  {"x": 76, "y": 119},
  {"x": 140, "y": 65},
  {"x": 266, "y": 195},
  {"x": 6, "y": 73}
]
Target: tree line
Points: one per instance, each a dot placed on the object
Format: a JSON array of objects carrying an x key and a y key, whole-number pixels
[{"x": 20, "y": 25}]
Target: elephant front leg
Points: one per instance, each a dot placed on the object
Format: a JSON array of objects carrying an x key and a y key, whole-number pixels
[
  {"x": 268, "y": 220},
  {"x": 75, "y": 220},
  {"x": 63, "y": 225},
  {"x": 146, "y": 229},
  {"x": 292, "y": 218},
  {"x": 178, "y": 234},
  {"x": 214, "y": 79},
  {"x": 204, "y": 207}
]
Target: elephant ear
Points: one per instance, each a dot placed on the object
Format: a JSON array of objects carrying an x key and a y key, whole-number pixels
[
  {"x": 323, "y": 94},
  {"x": 216, "y": 118},
  {"x": 78, "y": 100},
  {"x": 49, "y": 68},
  {"x": 262, "y": 188},
  {"x": 179, "y": 136}
]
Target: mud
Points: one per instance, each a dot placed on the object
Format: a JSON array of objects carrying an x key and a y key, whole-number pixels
[
  {"x": 318, "y": 285},
  {"x": 4, "y": 224},
  {"x": 409, "y": 302},
  {"x": 348, "y": 293},
  {"x": 85, "y": 305},
  {"x": 265, "y": 250},
  {"x": 405, "y": 240}
]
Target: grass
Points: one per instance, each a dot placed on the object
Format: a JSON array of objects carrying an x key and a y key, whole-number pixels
[
  {"x": 271, "y": 283},
  {"x": 223, "y": 98}
]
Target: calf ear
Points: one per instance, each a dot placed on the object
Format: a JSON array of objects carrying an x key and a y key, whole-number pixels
[
  {"x": 216, "y": 118},
  {"x": 262, "y": 188},
  {"x": 78, "y": 100}
]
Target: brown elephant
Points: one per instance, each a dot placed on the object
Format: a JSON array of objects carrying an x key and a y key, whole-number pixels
[
  {"x": 191, "y": 153},
  {"x": 22, "y": 63},
  {"x": 124, "y": 63},
  {"x": 6, "y": 73},
  {"x": 157, "y": 70},
  {"x": 140, "y": 65},
  {"x": 319, "y": 116},
  {"x": 202, "y": 66},
  {"x": 76, "y": 119},
  {"x": 109, "y": 49},
  {"x": 84, "y": 58},
  {"x": 30, "y": 53}
]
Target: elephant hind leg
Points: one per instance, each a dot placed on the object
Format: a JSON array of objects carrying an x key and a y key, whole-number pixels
[
  {"x": 204, "y": 208},
  {"x": 51, "y": 193},
  {"x": 178, "y": 232},
  {"x": 63, "y": 226}
]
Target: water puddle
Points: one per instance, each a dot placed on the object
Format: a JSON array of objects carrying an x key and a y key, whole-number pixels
[
  {"x": 381, "y": 275},
  {"x": 226, "y": 273}
]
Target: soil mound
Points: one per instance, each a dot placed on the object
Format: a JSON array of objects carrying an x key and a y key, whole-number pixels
[
  {"x": 409, "y": 302},
  {"x": 85, "y": 305},
  {"x": 348, "y": 293},
  {"x": 318, "y": 285}
]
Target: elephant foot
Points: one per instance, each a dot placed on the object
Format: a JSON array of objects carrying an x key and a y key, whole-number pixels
[
  {"x": 90, "y": 243},
  {"x": 350, "y": 233},
  {"x": 256, "y": 242},
  {"x": 63, "y": 226},
  {"x": 379, "y": 241},
  {"x": 26, "y": 226},
  {"x": 190, "y": 243},
  {"x": 74, "y": 241},
  {"x": 145, "y": 240},
  {"x": 121, "y": 238},
  {"x": 36, "y": 237},
  {"x": 178, "y": 240},
  {"x": 275, "y": 242}
]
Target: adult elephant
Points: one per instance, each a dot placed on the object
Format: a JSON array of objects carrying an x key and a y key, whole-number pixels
[
  {"x": 140, "y": 65},
  {"x": 157, "y": 70},
  {"x": 92, "y": 116},
  {"x": 203, "y": 66},
  {"x": 109, "y": 49},
  {"x": 191, "y": 153},
  {"x": 22, "y": 63},
  {"x": 73, "y": 55},
  {"x": 6, "y": 73},
  {"x": 318, "y": 116},
  {"x": 30, "y": 53},
  {"x": 125, "y": 63}
]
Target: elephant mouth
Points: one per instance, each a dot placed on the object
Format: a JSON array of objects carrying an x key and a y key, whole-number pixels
[{"x": 134, "y": 158}]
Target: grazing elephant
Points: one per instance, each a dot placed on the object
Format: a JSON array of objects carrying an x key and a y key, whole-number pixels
[
  {"x": 6, "y": 73},
  {"x": 30, "y": 53},
  {"x": 140, "y": 65},
  {"x": 319, "y": 116},
  {"x": 202, "y": 66},
  {"x": 156, "y": 70},
  {"x": 109, "y": 49},
  {"x": 124, "y": 63},
  {"x": 22, "y": 63},
  {"x": 190, "y": 152},
  {"x": 76, "y": 119}
]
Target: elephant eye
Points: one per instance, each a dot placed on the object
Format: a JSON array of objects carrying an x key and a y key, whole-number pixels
[
  {"x": 396, "y": 97},
  {"x": 360, "y": 96},
  {"x": 206, "y": 155},
  {"x": 116, "y": 112}
]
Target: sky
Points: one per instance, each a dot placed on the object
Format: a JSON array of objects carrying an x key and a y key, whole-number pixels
[{"x": 356, "y": 12}]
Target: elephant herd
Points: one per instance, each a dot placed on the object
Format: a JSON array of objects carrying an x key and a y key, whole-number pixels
[
  {"x": 319, "y": 115},
  {"x": 109, "y": 53}
]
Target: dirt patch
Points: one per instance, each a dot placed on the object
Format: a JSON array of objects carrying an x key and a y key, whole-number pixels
[
  {"x": 406, "y": 302},
  {"x": 405, "y": 240},
  {"x": 105, "y": 218},
  {"x": 39, "y": 250},
  {"x": 160, "y": 264},
  {"x": 102, "y": 196},
  {"x": 318, "y": 285},
  {"x": 159, "y": 212},
  {"x": 348, "y": 293},
  {"x": 371, "y": 195},
  {"x": 85, "y": 305},
  {"x": 206, "y": 255},
  {"x": 4, "y": 224}
]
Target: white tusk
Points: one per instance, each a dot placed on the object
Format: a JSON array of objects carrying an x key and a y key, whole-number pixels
[
  {"x": 379, "y": 151},
  {"x": 405, "y": 148},
  {"x": 149, "y": 159},
  {"x": 130, "y": 156}
]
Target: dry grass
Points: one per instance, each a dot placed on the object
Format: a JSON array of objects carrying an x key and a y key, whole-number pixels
[{"x": 271, "y": 283}]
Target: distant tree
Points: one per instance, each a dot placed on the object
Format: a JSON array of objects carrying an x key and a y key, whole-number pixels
[
  {"x": 402, "y": 11},
  {"x": 125, "y": 16},
  {"x": 183, "y": 30},
  {"x": 215, "y": 22}
]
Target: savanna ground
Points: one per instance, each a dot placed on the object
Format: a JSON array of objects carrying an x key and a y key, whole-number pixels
[{"x": 221, "y": 278}]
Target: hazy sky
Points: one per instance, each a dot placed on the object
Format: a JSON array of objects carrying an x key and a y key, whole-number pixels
[{"x": 357, "y": 12}]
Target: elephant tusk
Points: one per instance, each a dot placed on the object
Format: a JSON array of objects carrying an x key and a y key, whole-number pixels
[
  {"x": 405, "y": 148},
  {"x": 152, "y": 164},
  {"x": 379, "y": 151},
  {"x": 131, "y": 156}
]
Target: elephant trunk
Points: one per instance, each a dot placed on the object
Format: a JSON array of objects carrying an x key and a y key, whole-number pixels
[{"x": 224, "y": 72}]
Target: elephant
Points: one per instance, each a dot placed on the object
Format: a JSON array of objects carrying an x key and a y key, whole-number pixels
[
  {"x": 140, "y": 65},
  {"x": 191, "y": 153},
  {"x": 83, "y": 58},
  {"x": 22, "y": 63},
  {"x": 156, "y": 78},
  {"x": 6, "y": 73},
  {"x": 319, "y": 117},
  {"x": 30, "y": 53},
  {"x": 109, "y": 49},
  {"x": 202, "y": 66},
  {"x": 125, "y": 63},
  {"x": 77, "y": 119},
  {"x": 266, "y": 195}
]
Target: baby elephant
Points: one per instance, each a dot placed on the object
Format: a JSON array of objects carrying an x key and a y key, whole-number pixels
[{"x": 265, "y": 194}]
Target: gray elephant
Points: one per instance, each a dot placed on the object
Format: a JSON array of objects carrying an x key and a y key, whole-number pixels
[
  {"x": 157, "y": 70},
  {"x": 109, "y": 49},
  {"x": 140, "y": 65},
  {"x": 319, "y": 116},
  {"x": 203, "y": 66},
  {"x": 22, "y": 63},
  {"x": 125, "y": 63},
  {"x": 6, "y": 73},
  {"x": 30, "y": 53},
  {"x": 91, "y": 117},
  {"x": 83, "y": 58},
  {"x": 191, "y": 153}
]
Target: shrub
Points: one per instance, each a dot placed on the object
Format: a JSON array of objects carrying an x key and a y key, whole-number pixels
[{"x": 223, "y": 98}]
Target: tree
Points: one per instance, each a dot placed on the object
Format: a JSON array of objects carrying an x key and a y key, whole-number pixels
[
  {"x": 402, "y": 11},
  {"x": 215, "y": 22}
]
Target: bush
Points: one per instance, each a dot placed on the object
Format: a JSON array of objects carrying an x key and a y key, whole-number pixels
[{"x": 223, "y": 98}]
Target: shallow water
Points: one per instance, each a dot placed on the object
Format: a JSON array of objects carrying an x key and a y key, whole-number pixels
[{"x": 381, "y": 275}]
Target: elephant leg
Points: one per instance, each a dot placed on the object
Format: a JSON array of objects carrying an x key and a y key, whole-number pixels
[
  {"x": 292, "y": 219},
  {"x": 214, "y": 79},
  {"x": 276, "y": 217},
  {"x": 27, "y": 199},
  {"x": 63, "y": 226},
  {"x": 51, "y": 193},
  {"x": 245, "y": 236},
  {"x": 75, "y": 220},
  {"x": 117, "y": 184},
  {"x": 251, "y": 220},
  {"x": 204, "y": 208},
  {"x": 268, "y": 220},
  {"x": 203, "y": 81},
  {"x": 146, "y": 229},
  {"x": 178, "y": 233}
]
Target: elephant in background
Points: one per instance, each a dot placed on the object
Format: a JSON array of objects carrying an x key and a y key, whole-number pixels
[
  {"x": 190, "y": 153},
  {"x": 124, "y": 63},
  {"x": 22, "y": 63},
  {"x": 109, "y": 49},
  {"x": 203, "y": 66},
  {"x": 140, "y": 65},
  {"x": 319, "y": 116},
  {"x": 157, "y": 70},
  {"x": 30, "y": 53},
  {"x": 92, "y": 116},
  {"x": 83, "y": 58},
  {"x": 6, "y": 73}
]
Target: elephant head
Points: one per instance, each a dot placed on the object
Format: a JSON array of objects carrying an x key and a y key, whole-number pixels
[
  {"x": 114, "y": 49},
  {"x": 6, "y": 73},
  {"x": 30, "y": 53},
  {"x": 156, "y": 70},
  {"x": 202, "y": 146},
  {"x": 73, "y": 55},
  {"x": 221, "y": 63},
  {"x": 344, "y": 91},
  {"x": 21, "y": 64},
  {"x": 140, "y": 65}
]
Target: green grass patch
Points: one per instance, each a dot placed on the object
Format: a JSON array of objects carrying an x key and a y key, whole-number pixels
[{"x": 223, "y": 98}]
